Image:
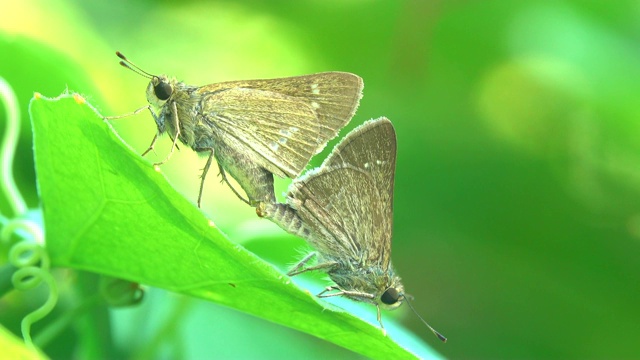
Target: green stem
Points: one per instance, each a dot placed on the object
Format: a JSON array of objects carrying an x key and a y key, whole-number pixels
[
  {"x": 93, "y": 326},
  {"x": 8, "y": 149},
  {"x": 57, "y": 326}
]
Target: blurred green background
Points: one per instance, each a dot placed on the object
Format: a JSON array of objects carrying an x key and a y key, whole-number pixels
[{"x": 517, "y": 200}]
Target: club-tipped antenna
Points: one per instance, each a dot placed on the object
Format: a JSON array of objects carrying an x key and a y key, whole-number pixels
[
  {"x": 133, "y": 67},
  {"x": 435, "y": 332}
]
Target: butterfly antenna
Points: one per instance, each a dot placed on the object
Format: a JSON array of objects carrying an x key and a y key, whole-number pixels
[
  {"x": 435, "y": 332},
  {"x": 133, "y": 67}
]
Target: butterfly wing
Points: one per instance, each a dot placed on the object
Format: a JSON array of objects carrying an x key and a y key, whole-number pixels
[
  {"x": 334, "y": 96},
  {"x": 278, "y": 131},
  {"x": 349, "y": 199},
  {"x": 340, "y": 205},
  {"x": 283, "y": 121}
]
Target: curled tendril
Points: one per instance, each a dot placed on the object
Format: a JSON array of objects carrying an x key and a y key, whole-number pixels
[
  {"x": 32, "y": 262},
  {"x": 28, "y": 256}
]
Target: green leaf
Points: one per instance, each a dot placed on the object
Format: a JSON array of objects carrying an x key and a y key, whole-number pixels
[{"x": 107, "y": 210}]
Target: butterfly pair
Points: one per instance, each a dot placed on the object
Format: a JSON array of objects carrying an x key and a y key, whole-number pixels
[{"x": 258, "y": 128}]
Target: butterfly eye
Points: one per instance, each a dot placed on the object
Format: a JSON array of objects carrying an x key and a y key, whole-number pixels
[
  {"x": 162, "y": 90},
  {"x": 390, "y": 296}
]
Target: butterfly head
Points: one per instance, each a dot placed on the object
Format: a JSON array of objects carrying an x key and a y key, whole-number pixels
[
  {"x": 159, "y": 90},
  {"x": 393, "y": 295}
]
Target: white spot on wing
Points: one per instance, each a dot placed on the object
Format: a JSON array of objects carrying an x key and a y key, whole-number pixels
[
  {"x": 274, "y": 146},
  {"x": 314, "y": 89},
  {"x": 315, "y": 105}
]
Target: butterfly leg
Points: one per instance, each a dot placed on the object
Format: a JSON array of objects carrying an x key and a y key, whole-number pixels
[
  {"x": 255, "y": 181},
  {"x": 173, "y": 140},
  {"x": 205, "y": 170},
  {"x": 354, "y": 295},
  {"x": 299, "y": 268},
  {"x": 223, "y": 174},
  {"x": 341, "y": 292},
  {"x": 174, "y": 110},
  {"x": 153, "y": 144},
  {"x": 327, "y": 289},
  {"x": 130, "y": 113},
  {"x": 294, "y": 271},
  {"x": 384, "y": 331},
  {"x": 155, "y": 117},
  {"x": 323, "y": 266}
]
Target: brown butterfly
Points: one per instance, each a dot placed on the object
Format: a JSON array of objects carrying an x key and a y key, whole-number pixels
[
  {"x": 344, "y": 209},
  {"x": 253, "y": 128}
]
